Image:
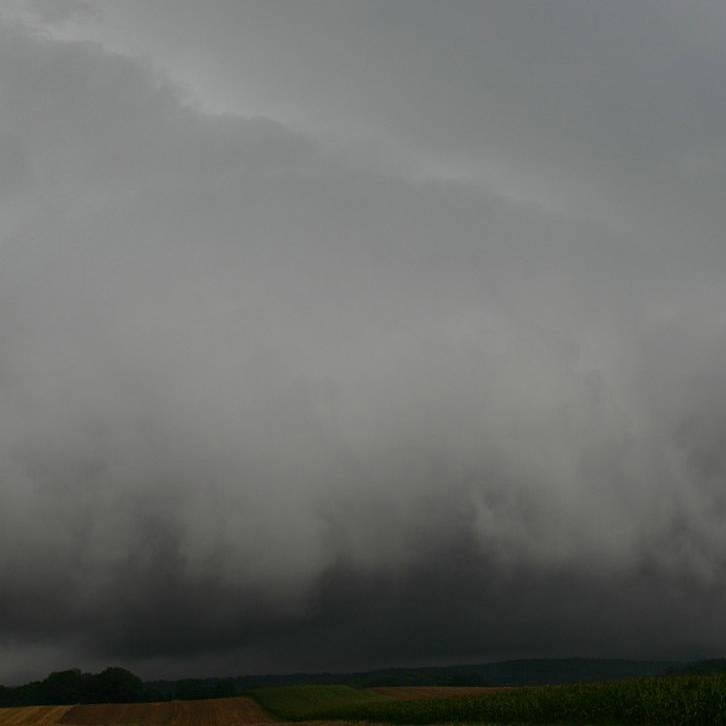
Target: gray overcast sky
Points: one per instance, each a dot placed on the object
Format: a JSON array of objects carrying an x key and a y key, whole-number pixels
[{"x": 350, "y": 333}]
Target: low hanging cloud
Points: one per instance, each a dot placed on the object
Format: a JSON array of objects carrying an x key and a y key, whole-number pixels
[{"x": 266, "y": 405}]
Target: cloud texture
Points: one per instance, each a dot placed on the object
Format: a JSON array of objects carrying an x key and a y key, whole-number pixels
[{"x": 337, "y": 335}]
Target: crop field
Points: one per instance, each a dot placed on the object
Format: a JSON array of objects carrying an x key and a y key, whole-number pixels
[
  {"x": 303, "y": 703},
  {"x": 419, "y": 693},
  {"x": 213, "y": 712},
  {"x": 665, "y": 700},
  {"x": 32, "y": 715}
]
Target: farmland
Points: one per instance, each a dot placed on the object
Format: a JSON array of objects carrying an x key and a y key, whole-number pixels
[
  {"x": 212, "y": 712},
  {"x": 665, "y": 700},
  {"x": 302, "y": 703},
  {"x": 32, "y": 715},
  {"x": 420, "y": 693}
]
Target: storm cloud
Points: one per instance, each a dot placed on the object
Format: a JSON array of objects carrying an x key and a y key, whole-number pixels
[{"x": 348, "y": 334}]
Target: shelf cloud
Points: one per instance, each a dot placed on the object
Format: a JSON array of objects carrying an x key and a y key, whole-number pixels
[{"x": 342, "y": 334}]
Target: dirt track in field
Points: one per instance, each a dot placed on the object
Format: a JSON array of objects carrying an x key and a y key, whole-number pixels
[
  {"x": 214, "y": 712},
  {"x": 422, "y": 693}
]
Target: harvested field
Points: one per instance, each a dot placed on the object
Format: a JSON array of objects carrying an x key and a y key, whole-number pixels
[
  {"x": 213, "y": 712},
  {"x": 32, "y": 715},
  {"x": 418, "y": 693}
]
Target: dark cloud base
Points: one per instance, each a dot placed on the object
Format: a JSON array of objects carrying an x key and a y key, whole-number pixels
[{"x": 453, "y": 604}]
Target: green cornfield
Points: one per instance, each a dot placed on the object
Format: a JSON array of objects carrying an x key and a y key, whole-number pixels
[{"x": 664, "y": 700}]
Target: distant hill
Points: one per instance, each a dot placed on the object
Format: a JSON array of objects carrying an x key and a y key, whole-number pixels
[
  {"x": 514, "y": 673},
  {"x": 504, "y": 673},
  {"x": 699, "y": 668}
]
